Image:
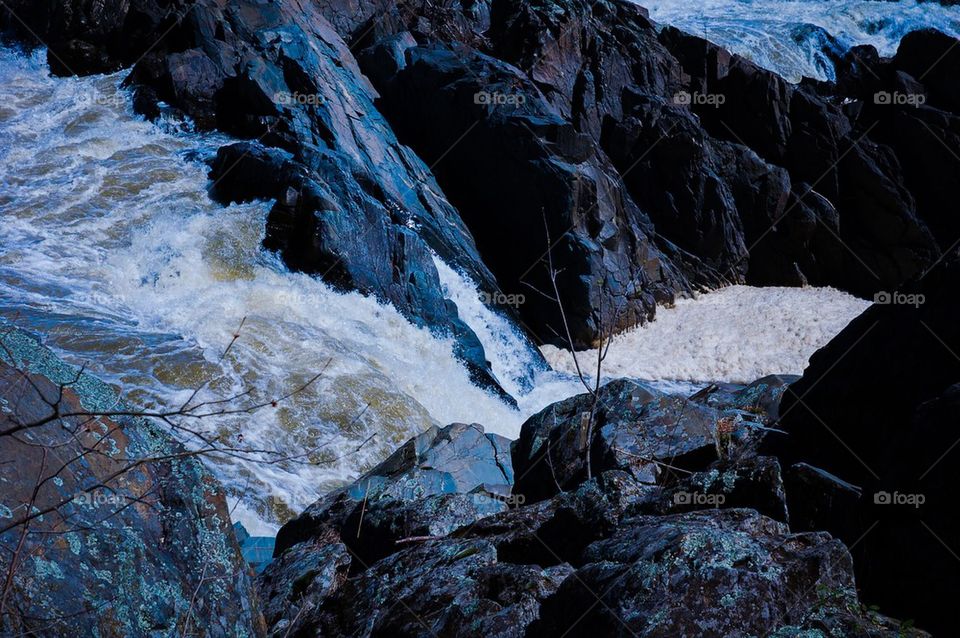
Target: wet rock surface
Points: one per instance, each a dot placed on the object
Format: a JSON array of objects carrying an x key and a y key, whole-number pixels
[
  {"x": 625, "y": 552},
  {"x": 107, "y": 547},
  {"x": 353, "y": 205},
  {"x": 642, "y": 163},
  {"x": 650, "y": 161}
]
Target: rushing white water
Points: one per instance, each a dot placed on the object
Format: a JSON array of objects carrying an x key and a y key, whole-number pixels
[
  {"x": 788, "y": 36},
  {"x": 111, "y": 249},
  {"x": 736, "y": 334}
]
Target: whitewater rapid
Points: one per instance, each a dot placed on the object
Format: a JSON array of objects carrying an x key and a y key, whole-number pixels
[
  {"x": 790, "y": 36},
  {"x": 111, "y": 250}
]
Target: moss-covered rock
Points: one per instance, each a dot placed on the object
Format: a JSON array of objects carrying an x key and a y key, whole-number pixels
[{"x": 123, "y": 533}]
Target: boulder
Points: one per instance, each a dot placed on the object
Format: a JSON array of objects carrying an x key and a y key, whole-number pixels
[
  {"x": 467, "y": 470},
  {"x": 877, "y": 409},
  {"x": 819, "y": 500},
  {"x": 754, "y": 483},
  {"x": 720, "y": 573},
  {"x": 295, "y": 585},
  {"x": 449, "y": 587},
  {"x": 121, "y": 532},
  {"x": 634, "y": 428}
]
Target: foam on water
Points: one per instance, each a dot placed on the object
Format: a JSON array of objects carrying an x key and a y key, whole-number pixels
[
  {"x": 736, "y": 334},
  {"x": 785, "y": 35},
  {"x": 111, "y": 249}
]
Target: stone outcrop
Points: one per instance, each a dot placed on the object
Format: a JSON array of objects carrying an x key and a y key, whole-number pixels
[{"x": 115, "y": 529}]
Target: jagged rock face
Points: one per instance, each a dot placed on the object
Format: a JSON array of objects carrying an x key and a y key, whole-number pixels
[
  {"x": 531, "y": 187},
  {"x": 720, "y": 573},
  {"x": 295, "y": 584},
  {"x": 448, "y": 587},
  {"x": 631, "y": 427},
  {"x": 462, "y": 473},
  {"x": 583, "y": 138},
  {"x": 115, "y": 551},
  {"x": 877, "y": 408},
  {"x": 611, "y": 555},
  {"x": 748, "y": 179},
  {"x": 353, "y": 204}
]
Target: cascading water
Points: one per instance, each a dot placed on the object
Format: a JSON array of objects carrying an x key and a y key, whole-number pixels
[
  {"x": 794, "y": 37},
  {"x": 112, "y": 251}
]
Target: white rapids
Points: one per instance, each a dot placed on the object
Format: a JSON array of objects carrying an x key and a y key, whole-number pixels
[
  {"x": 111, "y": 249},
  {"x": 791, "y": 36}
]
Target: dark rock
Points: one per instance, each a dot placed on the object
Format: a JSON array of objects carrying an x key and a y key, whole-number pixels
[
  {"x": 384, "y": 526},
  {"x": 754, "y": 483},
  {"x": 454, "y": 460},
  {"x": 655, "y": 553},
  {"x": 819, "y": 500},
  {"x": 295, "y": 585},
  {"x": 551, "y": 532},
  {"x": 542, "y": 180},
  {"x": 933, "y": 59},
  {"x": 450, "y": 587},
  {"x": 877, "y": 408},
  {"x": 118, "y": 548},
  {"x": 721, "y": 573},
  {"x": 635, "y": 428},
  {"x": 760, "y": 399}
]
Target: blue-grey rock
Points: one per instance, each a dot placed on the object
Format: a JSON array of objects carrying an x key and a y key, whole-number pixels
[
  {"x": 295, "y": 585},
  {"x": 131, "y": 535},
  {"x": 719, "y": 573},
  {"x": 456, "y": 459},
  {"x": 635, "y": 428}
]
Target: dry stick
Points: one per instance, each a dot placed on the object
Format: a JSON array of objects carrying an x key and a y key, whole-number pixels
[
  {"x": 556, "y": 291},
  {"x": 236, "y": 336},
  {"x": 550, "y": 464},
  {"x": 603, "y": 347},
  {"x": 363, "y": 508},
  {"x": 654, "y": 461},
  {"x": 293, "y": 623},
  {"x": 193, "y": 599},
  {"x": 417, "y": 539}
]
